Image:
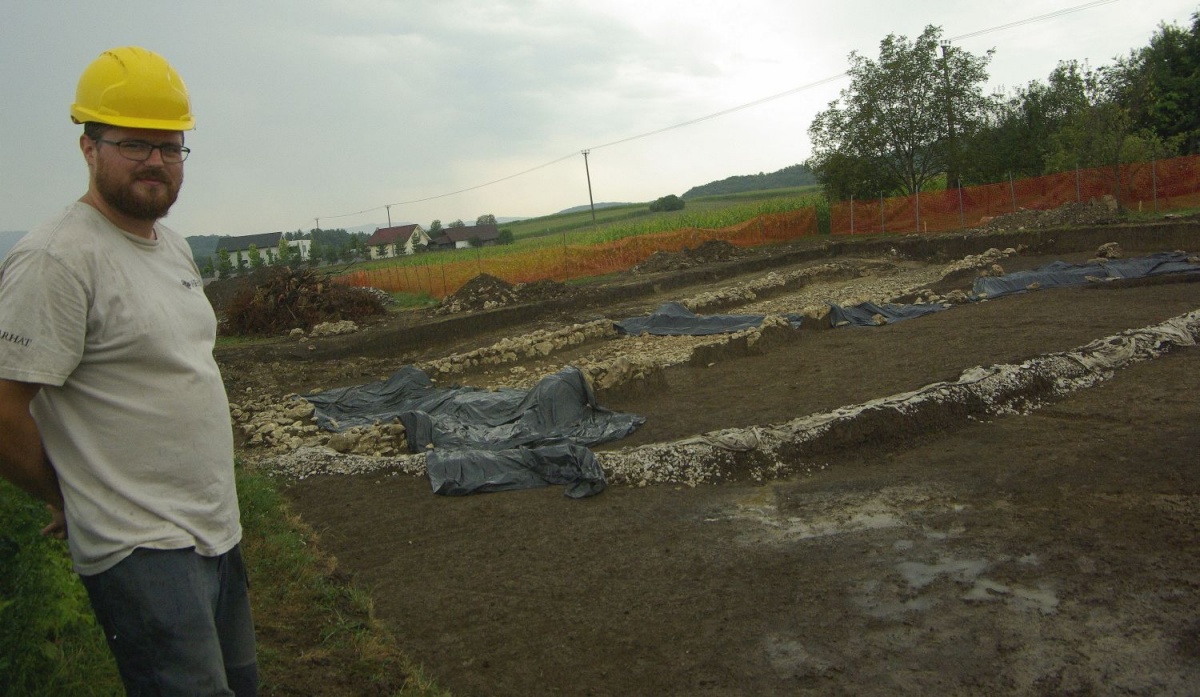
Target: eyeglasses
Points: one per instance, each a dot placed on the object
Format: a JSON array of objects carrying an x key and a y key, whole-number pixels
[{"x": 140, "y": 150}]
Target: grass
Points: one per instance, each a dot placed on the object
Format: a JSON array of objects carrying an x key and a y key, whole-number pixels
[
  {"x": 50, "y": 643},
  {"x": 300, "y": 598},
  {"x": 317, "y": 633},
  {"x": 412, "y": 301}
]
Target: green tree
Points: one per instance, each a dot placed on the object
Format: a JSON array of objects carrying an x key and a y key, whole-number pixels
[
  {"x": 898, "y": 111},
  {"x": 457, "y": 223},
  {"x": 256, "y": 259},
  {"x": 315, "y": 253},
  {"x": 224, "y": 263},
  {"x": 286, "y": 253},
  {"x": 505, "y": 237},
  {"x": 667, "y": 203},
  {"x": 1170, "y": 71},
  {"x": 1105, "y": 134},
  {"x": 486, "y": 219},
  {"x": 1019, "y": 136},
  {"x": 435, "y": 227}
]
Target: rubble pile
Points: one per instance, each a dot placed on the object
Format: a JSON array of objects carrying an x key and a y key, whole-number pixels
[
  {"x": 295, "y": 298},
  {"x": 775, "y": 282},
  {"x": 707, "y": 253},
  {"x": 1102, "y": 211},
  {"x": 512, "y": 349},
  {"x": 271, "y": 426},
  {"x": 485, "y": 292}
]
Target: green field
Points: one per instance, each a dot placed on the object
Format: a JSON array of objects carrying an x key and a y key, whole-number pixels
[
  {"x": 637, "y": 215},
  {"x": 618, "y": 222}
]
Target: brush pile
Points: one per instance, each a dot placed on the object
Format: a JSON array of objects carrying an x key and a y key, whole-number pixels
[{"x": 295, "y": 298}]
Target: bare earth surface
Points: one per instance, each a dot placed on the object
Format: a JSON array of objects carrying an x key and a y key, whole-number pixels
[{"x": 1048, "y": 553}]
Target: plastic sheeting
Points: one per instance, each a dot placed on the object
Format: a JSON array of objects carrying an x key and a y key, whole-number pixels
[
  {"x": 1060, "y": 274},
  {"x": 863, "y": 314},
  {"x": 673, "y": 319},
  {"x": 482, "y": 440},
  {"x": 462, "y": 472}
]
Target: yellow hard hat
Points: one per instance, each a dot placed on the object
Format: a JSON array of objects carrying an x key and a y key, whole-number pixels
[{"x": 132, "y": 87}]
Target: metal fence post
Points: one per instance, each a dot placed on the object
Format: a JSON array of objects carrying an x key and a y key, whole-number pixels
[{"x": 962, "y": 223}]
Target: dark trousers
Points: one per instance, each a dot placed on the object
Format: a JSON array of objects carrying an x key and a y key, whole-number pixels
[{"x": 178, "y": 623}]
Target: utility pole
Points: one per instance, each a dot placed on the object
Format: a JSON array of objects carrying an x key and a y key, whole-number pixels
[
  {"x": 591, "y": 202},
  {"x": 389, "y": 210},
  {"x": 952, "y": 175},
  {"x": 318, "y": 222}
]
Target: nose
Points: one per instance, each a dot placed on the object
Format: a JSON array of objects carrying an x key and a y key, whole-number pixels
[{"x": 156, "y": 157}]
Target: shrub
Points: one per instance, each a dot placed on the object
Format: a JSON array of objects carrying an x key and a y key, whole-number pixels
[{"x": 667, "y": 203}]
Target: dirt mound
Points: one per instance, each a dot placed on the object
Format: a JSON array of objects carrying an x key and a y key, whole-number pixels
[
  {"x": 545, "y": 289},
  {"x": 1102, "y": 211},
  {"x": 485, "y": 292},
  {"x": 291, "y": 298},
  {"x": 707, "y": 253}
]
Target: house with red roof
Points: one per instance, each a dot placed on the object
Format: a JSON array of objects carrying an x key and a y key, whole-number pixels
[
  {"x": 394, "y": 241},
  {"x": 461, "y": 237}
]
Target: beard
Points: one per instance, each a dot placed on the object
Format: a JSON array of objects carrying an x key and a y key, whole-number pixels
[{"x": 124, "y": 193}]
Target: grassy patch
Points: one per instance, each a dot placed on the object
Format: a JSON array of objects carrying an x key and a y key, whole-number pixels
[
  {"x": 412, "y": 301},
  {"x": 50, "y": 643},
  {"x": 316, "y": 632},
  {"x": 230, "y": 341}
]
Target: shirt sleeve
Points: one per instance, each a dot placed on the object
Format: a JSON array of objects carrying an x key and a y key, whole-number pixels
[{"x": 43, "y": 318}]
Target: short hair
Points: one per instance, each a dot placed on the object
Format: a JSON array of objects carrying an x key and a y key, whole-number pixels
[{"x": 95, "y": 130}]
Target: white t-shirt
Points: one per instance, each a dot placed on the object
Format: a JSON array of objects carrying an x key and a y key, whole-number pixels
[{"x": 132, "y": 412}]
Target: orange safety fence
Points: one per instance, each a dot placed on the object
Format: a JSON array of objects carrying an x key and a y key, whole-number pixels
[
  {"x": 1144, "y": 186},
  {"x": 445, "y": 272}
]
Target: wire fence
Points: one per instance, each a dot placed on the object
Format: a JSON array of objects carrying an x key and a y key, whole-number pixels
[{"x": 1154, "y": 186}]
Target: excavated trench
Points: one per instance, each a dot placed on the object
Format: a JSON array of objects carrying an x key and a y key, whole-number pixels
[{"x": 768, "y": 450}]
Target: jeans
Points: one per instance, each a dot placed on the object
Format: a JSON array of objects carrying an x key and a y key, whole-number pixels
[{"x": 178, "y": 623}]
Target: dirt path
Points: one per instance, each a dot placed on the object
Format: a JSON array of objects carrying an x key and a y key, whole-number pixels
[{"x": 1051, "y": 553}]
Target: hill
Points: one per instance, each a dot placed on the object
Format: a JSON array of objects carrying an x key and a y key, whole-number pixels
[
  {"x": 588, "y": 207},
  {"x": 796, "y": 175}
]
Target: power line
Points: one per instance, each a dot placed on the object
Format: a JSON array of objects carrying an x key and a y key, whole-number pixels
[
  {"x": 1031, "y": 20},
  {"x": 748, "y": 105}
]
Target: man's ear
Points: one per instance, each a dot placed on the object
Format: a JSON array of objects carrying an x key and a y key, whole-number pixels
[{"x": 88, "y": 147}]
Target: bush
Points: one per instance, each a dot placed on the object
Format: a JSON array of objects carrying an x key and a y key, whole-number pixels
[{"x": 667, "y": 203}]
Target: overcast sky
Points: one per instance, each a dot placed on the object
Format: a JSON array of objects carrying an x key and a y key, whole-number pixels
[{"x": 314, "y": 109}]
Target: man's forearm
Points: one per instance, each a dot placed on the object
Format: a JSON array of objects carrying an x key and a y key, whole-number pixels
[{"x": 22, "y": 458}]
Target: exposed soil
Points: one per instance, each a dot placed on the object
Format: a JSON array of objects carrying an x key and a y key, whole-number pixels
[{"x": 1052, "y": 552}]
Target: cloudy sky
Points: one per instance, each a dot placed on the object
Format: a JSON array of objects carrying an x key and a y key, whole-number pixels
[{"x": 449, "y": 109}]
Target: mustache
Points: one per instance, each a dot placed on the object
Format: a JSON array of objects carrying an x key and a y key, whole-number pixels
[{"x": 155, "y": 174}]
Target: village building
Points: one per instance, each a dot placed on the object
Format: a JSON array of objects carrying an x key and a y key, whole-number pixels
[
  {"x": 267, "y": 244},
  {"x": 461, "y": 237},
  {"x": 394, "y": 241}
]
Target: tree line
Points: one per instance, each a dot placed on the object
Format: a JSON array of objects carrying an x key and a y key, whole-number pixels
[{"x": 917, "y": 119}]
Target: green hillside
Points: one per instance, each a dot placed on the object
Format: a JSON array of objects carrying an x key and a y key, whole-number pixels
[{"x": 788, "y": 177}]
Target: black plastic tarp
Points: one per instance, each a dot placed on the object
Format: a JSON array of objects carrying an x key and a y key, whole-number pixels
[
  {"x": 1061, "y": 274},
  {"x": 462, "y": 472},
  {"x": 485, "y": 440},
  {"x": 863, "y": 314},
  {"x": 673, "y": 319}
]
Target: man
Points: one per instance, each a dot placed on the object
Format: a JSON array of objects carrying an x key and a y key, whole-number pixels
[{"x": 113, "y": 409}]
